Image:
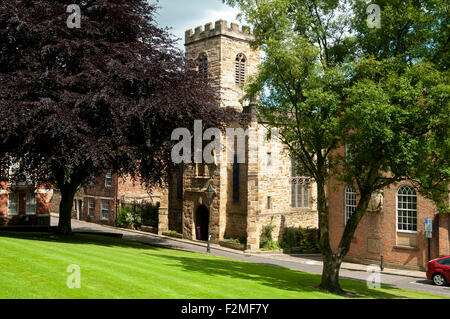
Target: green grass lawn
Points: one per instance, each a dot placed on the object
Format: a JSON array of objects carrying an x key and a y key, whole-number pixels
[{"x": 34, "y": 266}]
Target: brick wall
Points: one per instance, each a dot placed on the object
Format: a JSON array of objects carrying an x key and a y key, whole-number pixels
[
  {"x": 123, "y": 191},
  {"x": 443, "y": 226},
  {"x": 130, "y": 190},
  {"x": 97, "y": 215},
  {"x": 43, "y": 194},
  {"x": 377, "y": 233},
  {"x": 98, "y": 192}
]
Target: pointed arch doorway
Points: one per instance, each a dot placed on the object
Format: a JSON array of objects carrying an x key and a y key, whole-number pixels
[{"x": 201, "y": 223}]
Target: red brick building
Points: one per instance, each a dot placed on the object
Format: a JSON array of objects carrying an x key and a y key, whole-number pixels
[
  {"x": 100, "y": 200},
  {"x": 96, "y": 201},
  {"x": 24, "y": 204},
  {"x": 393, "y": 226}
]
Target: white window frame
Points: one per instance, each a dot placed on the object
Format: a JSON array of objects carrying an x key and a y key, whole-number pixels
[
  {"x": 349, "y": 202},
  {"x": 91, "y": 200},
  {"x": 16, "y": 196},
  {"x": 108, "y": 176},
  {"x": 413, "y": 196},
  {"x": 103, "y": 209},
  {"x": 33, "y": 197}
]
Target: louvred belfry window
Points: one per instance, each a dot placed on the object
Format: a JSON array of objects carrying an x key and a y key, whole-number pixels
[{"x": 240, "y": 68}]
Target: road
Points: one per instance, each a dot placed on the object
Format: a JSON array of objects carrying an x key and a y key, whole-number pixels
[{"x": 412, "y": 280}]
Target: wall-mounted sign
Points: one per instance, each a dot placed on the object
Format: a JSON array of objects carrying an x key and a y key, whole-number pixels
[{"x": 429, "y": 227}]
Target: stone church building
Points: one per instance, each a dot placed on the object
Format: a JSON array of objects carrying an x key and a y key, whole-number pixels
[
  {"x": 256, "y": 188},
  {"x": 263, "y": 189}
]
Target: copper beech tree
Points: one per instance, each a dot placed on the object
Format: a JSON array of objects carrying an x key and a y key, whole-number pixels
[{"x": 107, "y": 95}]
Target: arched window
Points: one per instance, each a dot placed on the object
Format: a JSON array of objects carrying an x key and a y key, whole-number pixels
[
  {"x": 406, "y": 209},
  {"x": 299, "y": 187},
  {"x": 202, "y": 63},
  {"x": 350, "y": 202},
  {"x": 240, "y": 68}
]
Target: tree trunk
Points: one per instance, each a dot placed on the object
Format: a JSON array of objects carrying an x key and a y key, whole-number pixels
[
  {"x": 65, "y": 210},
  {"x": 331, "y": 262},
  {"x": 330, "y": 275},
  {"x": 352, "y": 224}
]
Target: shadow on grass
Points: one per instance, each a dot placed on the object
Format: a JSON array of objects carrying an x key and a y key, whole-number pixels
[
  {"x": 273, "y": 276},
  {"x": 77, "y": 239},
  {"x": 264, "y": 274}
]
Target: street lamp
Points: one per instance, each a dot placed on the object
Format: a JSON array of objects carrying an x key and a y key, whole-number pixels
[{"x": 209, "y": 193}]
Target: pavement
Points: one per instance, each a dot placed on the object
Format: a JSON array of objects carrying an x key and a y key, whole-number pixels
[{"x": 405, "y": 279}]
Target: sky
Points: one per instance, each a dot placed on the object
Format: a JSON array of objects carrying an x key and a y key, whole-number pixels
[{"x": 181, "y": 15}]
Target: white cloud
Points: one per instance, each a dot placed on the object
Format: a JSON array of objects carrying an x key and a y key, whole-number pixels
[
  {"x": 228, "y": 14},
  {"x": 182, "y": 15}
]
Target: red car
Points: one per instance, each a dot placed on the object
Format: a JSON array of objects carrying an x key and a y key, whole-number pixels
[{"x": 438, "y": 270}]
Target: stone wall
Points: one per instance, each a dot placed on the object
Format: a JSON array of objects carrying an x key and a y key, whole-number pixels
[
  {"x": 230, "y": 92},
  {"x": 271, "y": 177},
  {"x": 257, "y": 180},
  {"x": 175, "y": 205},
  {"x": 302, "y": 218},
  {"x": 222, "y": 44},
  {"x": 236, "y": 225}
]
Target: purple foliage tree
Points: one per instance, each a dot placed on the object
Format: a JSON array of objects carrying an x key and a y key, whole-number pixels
[{"x": 107, "y": 95}]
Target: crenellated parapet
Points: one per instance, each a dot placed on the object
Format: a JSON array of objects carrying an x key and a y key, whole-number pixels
[{"x": 220, "y": 28}]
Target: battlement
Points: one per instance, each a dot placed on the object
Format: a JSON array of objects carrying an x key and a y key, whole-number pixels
[{"x": 220, "y": 28}]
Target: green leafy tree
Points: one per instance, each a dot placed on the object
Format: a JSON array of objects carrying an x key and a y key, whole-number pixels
[{"x": 328, "y": 80}]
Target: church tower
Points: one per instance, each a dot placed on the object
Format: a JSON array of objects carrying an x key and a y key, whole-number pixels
[
  {"x": 259, "y": 192},
  {"x": 224, "y": 55}
]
